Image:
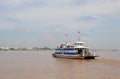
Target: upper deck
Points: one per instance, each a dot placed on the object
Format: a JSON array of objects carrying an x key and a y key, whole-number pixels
[
  {"x": 65, "y": 48},
  {"x": 79, "y": 44}
]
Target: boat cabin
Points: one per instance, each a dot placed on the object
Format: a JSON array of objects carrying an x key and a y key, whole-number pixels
[
  {"x": 78, "y": 44},
  {"x": 81, "y": 49}
]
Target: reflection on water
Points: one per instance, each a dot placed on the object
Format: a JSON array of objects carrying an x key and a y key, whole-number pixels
[{"x": 41, "y": 65}]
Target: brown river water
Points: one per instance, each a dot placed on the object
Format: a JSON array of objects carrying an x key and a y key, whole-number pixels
[{"x": 41, "y": 65}]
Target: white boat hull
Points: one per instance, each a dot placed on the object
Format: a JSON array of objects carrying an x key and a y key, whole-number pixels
[{"x": 74, "y": 57}]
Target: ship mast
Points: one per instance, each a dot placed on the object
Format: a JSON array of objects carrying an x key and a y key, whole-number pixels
[
  {"x": 78, "y": 35},
  {"x": 66, "y": 43}
]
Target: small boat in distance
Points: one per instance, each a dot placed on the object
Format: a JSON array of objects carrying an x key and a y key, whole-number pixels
[{"x": 75, "y": 51}]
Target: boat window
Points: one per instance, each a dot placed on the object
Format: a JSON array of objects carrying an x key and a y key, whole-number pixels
[{"x": 79, "y": 44}]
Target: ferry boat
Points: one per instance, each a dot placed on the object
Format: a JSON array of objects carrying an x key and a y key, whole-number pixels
[{"x": 75, "y": 51}]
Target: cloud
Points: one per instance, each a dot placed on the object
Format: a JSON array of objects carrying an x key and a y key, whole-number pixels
[
  {"x": 59, "y": 16},
  {"x": 66, "y": 13}
]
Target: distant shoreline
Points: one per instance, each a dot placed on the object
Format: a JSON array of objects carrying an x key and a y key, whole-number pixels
[
  {"x": 47, "y": 50},
  {"x": 24, "y": 49}
]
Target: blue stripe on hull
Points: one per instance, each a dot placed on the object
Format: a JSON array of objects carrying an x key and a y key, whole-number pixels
[
  {"x": 65, "y": 49},
  {"x": 66, "y": 53}
]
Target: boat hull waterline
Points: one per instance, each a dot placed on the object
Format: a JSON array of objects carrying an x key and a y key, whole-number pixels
[{"x": 74, "y": 57}]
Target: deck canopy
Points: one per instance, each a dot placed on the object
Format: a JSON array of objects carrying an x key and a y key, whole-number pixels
[{"x": 65, "y": 49}]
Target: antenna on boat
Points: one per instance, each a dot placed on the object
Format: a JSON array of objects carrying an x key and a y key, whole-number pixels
[
  {"x": 66, "y": 43},
  {"x": 79, "y": 36}
]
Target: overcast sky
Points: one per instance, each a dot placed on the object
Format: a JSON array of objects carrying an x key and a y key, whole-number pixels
[{"x": 31, "y": 23}]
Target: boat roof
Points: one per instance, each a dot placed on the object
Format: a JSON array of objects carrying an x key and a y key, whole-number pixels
[
  {"x": 81, "y": 47},
  {"x": 79, "y": 42}
]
